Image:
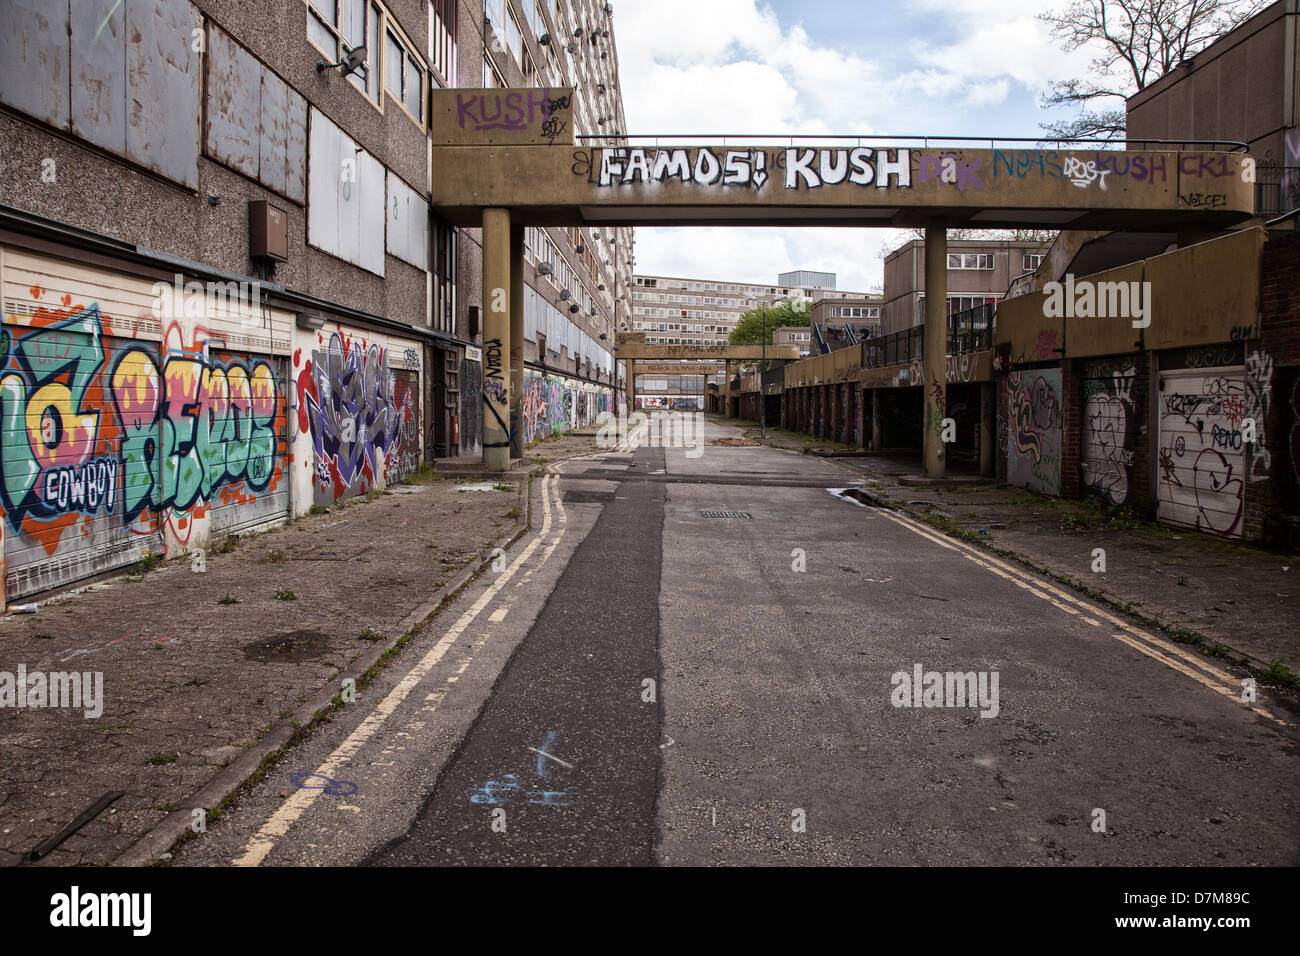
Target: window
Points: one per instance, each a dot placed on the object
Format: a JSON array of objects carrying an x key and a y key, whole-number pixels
[
  {"x": 491, "y": 78},
  {"x": 336, "y": 27},
  {"x": 979, "y": 260},
  {"x": 442, "y": 40},
  {"x": 442, "y": 242},
  {"x": 514, "y": 38},
  {"x": 403, "y": 76},
  {"x": 1032, "y": 262},
  {"x": 495, "y": 11}
]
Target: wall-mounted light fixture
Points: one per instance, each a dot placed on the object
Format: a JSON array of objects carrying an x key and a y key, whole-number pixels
[{"x": 305, "y": 320}]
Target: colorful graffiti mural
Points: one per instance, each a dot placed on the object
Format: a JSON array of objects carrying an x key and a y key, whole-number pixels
[
  {"x": 1109, "y": 428},
  {"x": 553, "y": 405},
  {"x": 113, "y": 446},
  {"x": 1034, "y": 430},
  {"x": 346, "y": 400}
]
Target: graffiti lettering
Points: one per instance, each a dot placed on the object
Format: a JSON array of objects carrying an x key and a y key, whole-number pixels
[{"x": 514, "y": 110}]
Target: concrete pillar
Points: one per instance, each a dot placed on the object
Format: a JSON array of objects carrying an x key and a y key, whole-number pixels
[
  {"x": 726, "y": 389},
  {"x": 496, "y": 339},
  {"x": 988, "y": 428},
  {"x": 631, "y": 387},
  {"x": 935, "y": 378},
  {"x": 876, "y": 428},
  {"x": 516, "y": 341}
]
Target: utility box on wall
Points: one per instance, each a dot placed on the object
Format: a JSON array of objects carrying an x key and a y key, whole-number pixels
[{"x": 268, "y": 231}]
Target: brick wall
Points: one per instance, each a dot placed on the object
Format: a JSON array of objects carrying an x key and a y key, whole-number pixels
[{"x": 1273, "y": 487}]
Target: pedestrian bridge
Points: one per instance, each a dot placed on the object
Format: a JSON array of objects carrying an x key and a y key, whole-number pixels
[{"x": 501, "y": 161}]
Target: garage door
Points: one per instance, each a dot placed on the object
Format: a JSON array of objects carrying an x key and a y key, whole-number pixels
[
  {"x": 245, "y": 442},
  {"x": 74, "y": 491},
  {"x": 1202, "y": 466}
]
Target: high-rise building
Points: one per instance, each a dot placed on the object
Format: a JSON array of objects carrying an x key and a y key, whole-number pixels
[{"x": 808, "y": 279}]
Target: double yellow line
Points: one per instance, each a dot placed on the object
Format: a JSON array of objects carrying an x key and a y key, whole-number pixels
[{"x": 1195, "y": 666}]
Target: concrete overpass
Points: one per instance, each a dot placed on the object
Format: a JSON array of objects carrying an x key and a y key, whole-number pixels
[{"x": 508, "y": 182}]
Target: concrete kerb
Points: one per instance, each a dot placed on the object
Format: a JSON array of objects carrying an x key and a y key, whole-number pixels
[{"x": 250, "y": 766}]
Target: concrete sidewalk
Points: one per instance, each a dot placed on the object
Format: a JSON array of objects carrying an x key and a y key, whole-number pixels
[
  {"x": 1203, "y": 589},
  {"x": 204, "y": 674}
]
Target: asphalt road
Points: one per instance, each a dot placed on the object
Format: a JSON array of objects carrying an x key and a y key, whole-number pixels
[{"x": 692, "y": 661}]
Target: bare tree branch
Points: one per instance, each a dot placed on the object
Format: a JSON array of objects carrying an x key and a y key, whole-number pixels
[{"x": 1137, "y": 41}]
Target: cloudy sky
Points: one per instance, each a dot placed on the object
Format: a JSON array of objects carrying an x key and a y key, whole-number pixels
[{"x": 968, "y": 68}]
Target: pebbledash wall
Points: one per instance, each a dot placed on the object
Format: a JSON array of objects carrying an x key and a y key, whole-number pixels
[{"x": 132, "y": 426}]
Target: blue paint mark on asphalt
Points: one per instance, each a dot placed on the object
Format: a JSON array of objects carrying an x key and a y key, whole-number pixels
[
  {"x": 542, "y": 768},
  {"x": 335, "y": 788}
]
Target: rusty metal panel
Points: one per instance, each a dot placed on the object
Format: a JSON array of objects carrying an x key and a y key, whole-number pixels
[
  {"x": 273, "y": 142},
  {"x": 98, "y": 67},
  {"x": 162, "y": 68},
  {"x": 345, "y": 203},
  {"x": 34, "y": 54},
  {"x": 234, "y": 79},
  {"x": 296, "y": 155}
]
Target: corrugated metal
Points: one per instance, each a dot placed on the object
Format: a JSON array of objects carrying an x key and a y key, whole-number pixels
[
  {"x": 249, "y": 449},
  {"x": 99, "y": 73},
  {"x": 34, "y": 54},
  {"x": 64, "y": 483},
  {"x": 1201, "y": 462},
  {"x": 162, "y": 65},
  {"x": 233, "y": 116}
]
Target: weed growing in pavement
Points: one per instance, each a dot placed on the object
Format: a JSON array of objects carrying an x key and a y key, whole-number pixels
[
  {"x": 228, "y": 544},
  {"x": 513, "y": 512},
  {"x": 318, "y": 510},
  {"x": 284, "y": 594},
  {"x": 159, "y": 760},
  {"x": 502, "y": 486},
  {"x": 948, "y": 526},
  {"x": 424, "y": 476},
  {"x": 275, "y": 557},
  {"x": 370, "y": 634},
  {"x": 228, "y": 599},
  {"x": 149, "y": 562},
  {"x": 1278, "y": 673}
]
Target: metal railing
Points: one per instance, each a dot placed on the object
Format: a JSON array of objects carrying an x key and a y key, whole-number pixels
[
  {"x": 911, "y": 142},
  {"x": 822, "y": 347},
  {"x": 1277, "y": 190},
  {"x": 968, "y": 331},
  {"x": 971, "y": 330},
  {"x": 897, "y": 348}
]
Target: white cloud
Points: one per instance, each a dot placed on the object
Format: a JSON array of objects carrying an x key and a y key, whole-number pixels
[{"x": 699, "y": 67}]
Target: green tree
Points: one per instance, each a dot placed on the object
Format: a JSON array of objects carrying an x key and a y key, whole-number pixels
[{"x": 749, "y": 330}]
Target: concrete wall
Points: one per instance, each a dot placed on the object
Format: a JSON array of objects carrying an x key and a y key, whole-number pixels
[{"x": 1239, "y": 88}]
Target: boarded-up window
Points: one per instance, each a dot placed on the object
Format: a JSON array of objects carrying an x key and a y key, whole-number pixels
[
  {"x": 345, "y": 197},
  {"x": 255, "y": 123},
  {"x": 130, "y": 69},
  {"x": 408, "y": 224}
]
